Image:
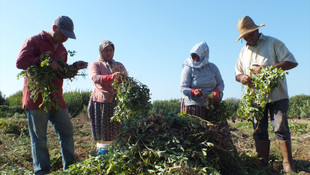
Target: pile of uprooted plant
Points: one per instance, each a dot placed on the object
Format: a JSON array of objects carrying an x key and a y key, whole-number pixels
[{"x": 157, "y": 144}]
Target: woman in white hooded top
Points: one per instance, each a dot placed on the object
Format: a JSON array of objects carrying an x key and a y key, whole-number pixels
[{"x": 200, "y": 79}]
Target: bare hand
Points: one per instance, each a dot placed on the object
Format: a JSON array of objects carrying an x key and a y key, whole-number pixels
[
  {"x": 257, "y": 68},
  {"x": 245, "y": 79},
  {"x": 80, "y": 65}
]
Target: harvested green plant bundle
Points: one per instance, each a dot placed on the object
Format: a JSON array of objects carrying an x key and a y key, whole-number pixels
[
  {"x": 256, "y": 97},
  {"x": 133, "y": 98},
  {"x": 217, "y": 111},
  {"x": 41, "y": 79}
]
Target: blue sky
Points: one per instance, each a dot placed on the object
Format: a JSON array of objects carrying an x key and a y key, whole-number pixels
[{"x": 153, "y": 38}]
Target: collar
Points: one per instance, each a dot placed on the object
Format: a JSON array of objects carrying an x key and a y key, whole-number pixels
[
  {"x": 261, "y": 37},
  {"x": 44, "y": 35}
]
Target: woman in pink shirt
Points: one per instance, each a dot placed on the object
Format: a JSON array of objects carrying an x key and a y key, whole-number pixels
[{"x": 102, "y": 101}]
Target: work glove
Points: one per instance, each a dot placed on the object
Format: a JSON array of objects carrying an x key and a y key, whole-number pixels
[
  {"x": 196, "y": 92},
  {"x": 109, "y": 77},
  {"x": 215, "y": 95}
]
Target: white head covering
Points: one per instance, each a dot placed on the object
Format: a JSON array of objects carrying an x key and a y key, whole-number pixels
[{"x": 202, "y": 50}]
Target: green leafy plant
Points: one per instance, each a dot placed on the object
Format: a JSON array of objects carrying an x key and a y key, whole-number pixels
[
  {"x": 174, "y": 144},
  {"x": 217, "y": 111},
  {"x": 300, "y": 128},
  {"x": 256, "y": 97},
  {"x": 16, "y": 125},
  {"x": 162, "y": 145},
  {"x": 41, "y": 80},
  {"x": 55, "y": 159},
  {"x": 133, "y": 98},
  {"x": 158, "y": 144},
  {"x": 8, "y": 170}
]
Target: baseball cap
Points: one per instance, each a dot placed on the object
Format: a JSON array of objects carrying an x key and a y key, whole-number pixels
[{"x": 65, "y": 24}]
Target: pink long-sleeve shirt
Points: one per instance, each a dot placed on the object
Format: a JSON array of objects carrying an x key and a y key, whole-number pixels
[
  {"x": 103, "y": 91},
  {"x": 29, "y": 55}
]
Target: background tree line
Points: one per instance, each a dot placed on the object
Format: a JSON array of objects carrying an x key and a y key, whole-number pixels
[{"x": 77, "y": 102}]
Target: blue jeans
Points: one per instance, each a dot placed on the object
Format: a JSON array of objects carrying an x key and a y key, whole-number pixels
[
  {"x": 60, "y": 120},
  {"x": 278, "y": 115}
]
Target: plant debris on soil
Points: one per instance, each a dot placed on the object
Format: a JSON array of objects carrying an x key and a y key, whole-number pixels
[{"x": 175, "y": 144}]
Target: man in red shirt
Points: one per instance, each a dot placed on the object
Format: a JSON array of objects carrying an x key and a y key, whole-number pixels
[{"x": 29, "y": 55}]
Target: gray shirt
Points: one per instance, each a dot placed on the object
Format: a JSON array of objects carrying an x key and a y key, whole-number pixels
[{"x": 202, "y": 75}]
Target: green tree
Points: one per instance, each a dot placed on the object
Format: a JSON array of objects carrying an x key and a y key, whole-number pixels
[
  {"x": 299, "y": 107},
  {"x": 2, "y": 98},
  {"x": 12, "y": 105},
  {"x": 15, "y": 100},
  {"x": 232, "y": 106},
  {"x": 75, "y": 101},
  {"x": 166, "y": 107}
]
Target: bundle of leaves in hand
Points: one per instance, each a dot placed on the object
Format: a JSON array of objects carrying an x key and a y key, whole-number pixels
[
  {"x": 256, "y": 97},
  {"x": 133, "y": 98},
  {"x": 41, "y": 80},
  {"x": 217, "y": 110}
]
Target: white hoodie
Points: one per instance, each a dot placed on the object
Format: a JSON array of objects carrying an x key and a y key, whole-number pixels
[{"x": 202, "y": 75}]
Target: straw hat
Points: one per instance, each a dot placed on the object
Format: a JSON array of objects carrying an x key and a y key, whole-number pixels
[{"x": 247, "y": 25}]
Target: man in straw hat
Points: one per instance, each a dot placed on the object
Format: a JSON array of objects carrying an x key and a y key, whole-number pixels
[{"x": 259, "y": 51}]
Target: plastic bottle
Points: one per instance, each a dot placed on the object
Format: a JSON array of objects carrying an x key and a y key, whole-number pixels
[{"x": 103, "y": 147}]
